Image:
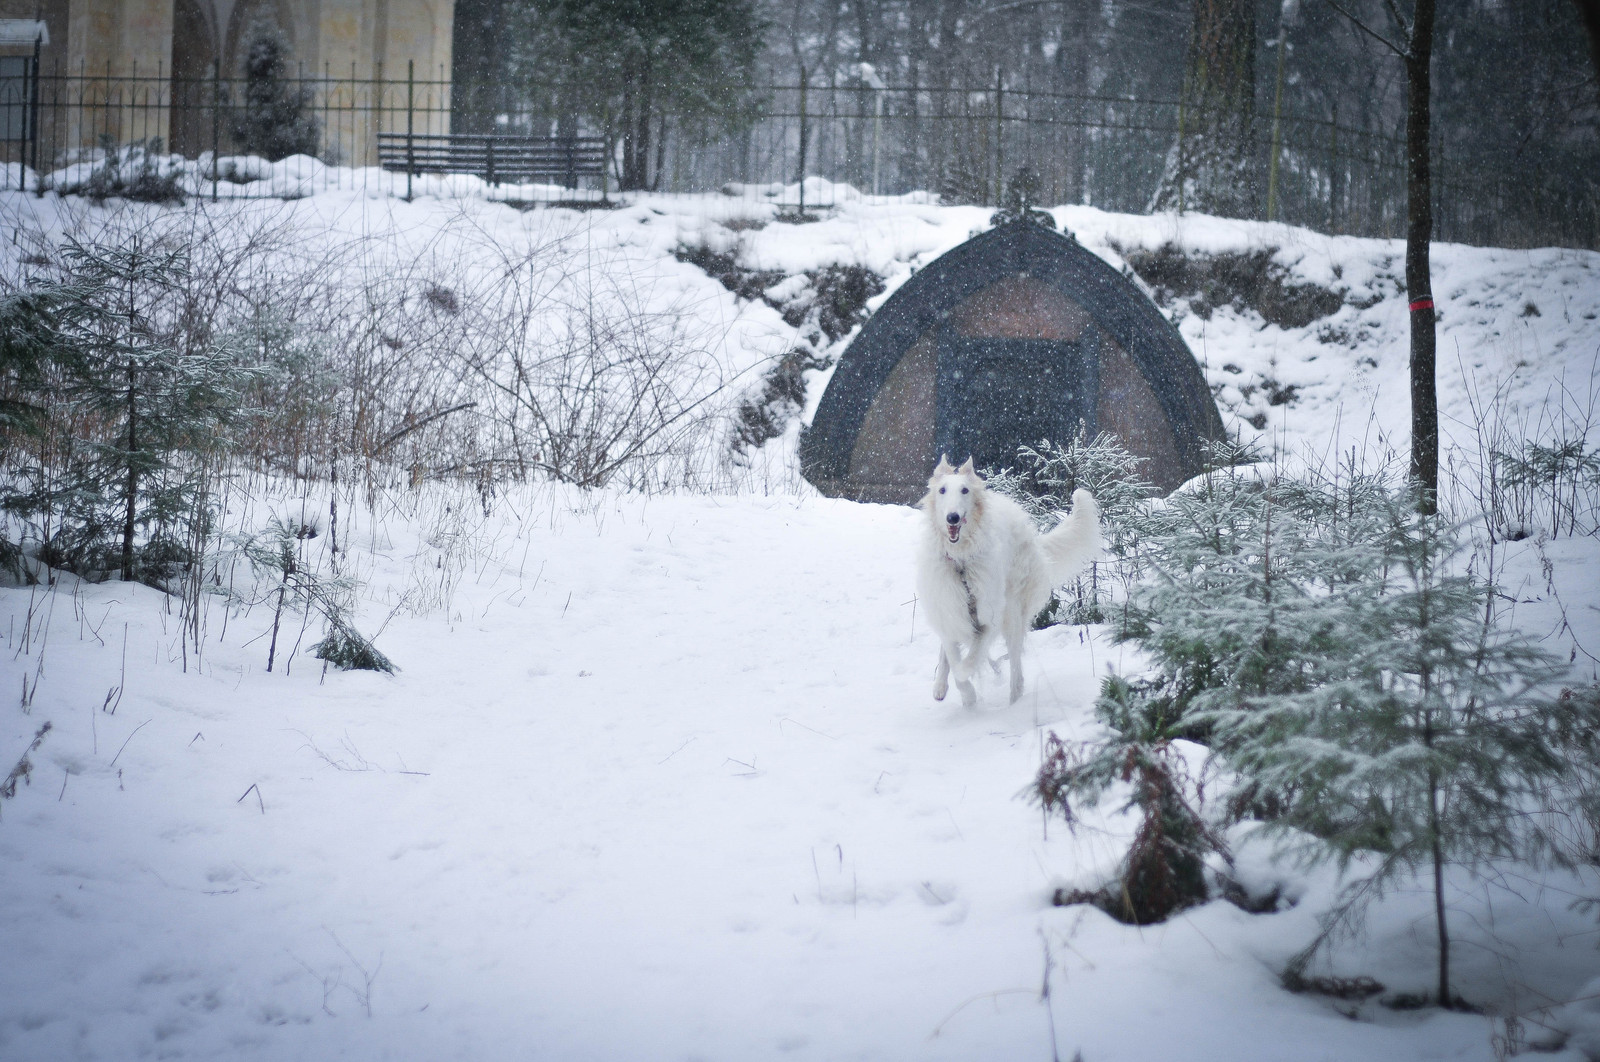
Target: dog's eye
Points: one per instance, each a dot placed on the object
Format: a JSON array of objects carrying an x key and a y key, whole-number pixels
[
  {"x": 963, "y": 490},
  {"x": 941, "y": 490}
]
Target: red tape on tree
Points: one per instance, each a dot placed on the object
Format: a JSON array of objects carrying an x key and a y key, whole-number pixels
[{"x": 1425, "y": 303}]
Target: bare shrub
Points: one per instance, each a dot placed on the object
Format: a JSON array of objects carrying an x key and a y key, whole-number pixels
[
  {"x": 1528, "y": 476},
  {"x": 585, "y": 372}
]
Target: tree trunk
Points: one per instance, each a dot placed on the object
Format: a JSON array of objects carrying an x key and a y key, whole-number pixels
[
  {"x": 1435, "y": 833},
  {"x": 661, "y": 153},
  {"x": 1073, "y": 69},
  {"x": 1419, "y": 287},
  {"x": 1589, "y": 13},
  {"x": 277, "y": 614},
  {"x": 477, "y": 64},
  {"x": 1438, "y": 892},
  {"x": 641, "y": 180},
  {"x": 132, "y": 498},
  {"x": 1212, "y": 168},
  {"x": 632, "y": 107}
]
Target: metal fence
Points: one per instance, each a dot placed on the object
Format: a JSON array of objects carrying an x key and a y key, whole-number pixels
[
  {"x": 59, "y": 125},
  {"x": 965, "y": 144}
]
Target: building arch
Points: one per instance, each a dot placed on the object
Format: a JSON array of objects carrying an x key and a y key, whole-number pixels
[{"x": 194, "y": 55}]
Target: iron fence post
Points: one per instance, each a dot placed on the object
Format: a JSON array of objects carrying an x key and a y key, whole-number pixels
[
  {"x": 33, "y": 125},
  {"x": 877, "y": 136},
  {"x": 411, "y": 147},
  {"x": 802, "y": 178},
  {"x": 216, "y": 126},
  {"x": 999, "y": 136}
]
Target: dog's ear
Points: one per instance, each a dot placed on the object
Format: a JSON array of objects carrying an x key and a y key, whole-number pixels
[
  {"x": 966, "y": 469},
  {"x": 944, "y": 468}
]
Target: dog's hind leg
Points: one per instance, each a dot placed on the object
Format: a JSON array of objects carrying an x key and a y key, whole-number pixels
[
  {"x": 941, "y": 675},
  {"x": 1014, "y": 641}
]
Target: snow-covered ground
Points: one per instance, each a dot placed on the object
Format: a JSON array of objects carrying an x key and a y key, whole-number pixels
[{"x": 660, "y": 776}]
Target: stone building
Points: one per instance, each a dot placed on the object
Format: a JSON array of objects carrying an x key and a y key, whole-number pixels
[{"x": 159, "y": 55}]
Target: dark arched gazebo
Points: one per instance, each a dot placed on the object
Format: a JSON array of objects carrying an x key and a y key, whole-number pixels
[{"x": 1015, "y": 336}]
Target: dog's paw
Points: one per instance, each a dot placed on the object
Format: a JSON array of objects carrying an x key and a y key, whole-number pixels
[{"x": 939, "y": 691}]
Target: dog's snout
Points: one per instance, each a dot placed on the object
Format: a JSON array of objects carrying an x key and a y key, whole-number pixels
[{"x": 952, "y": 518}]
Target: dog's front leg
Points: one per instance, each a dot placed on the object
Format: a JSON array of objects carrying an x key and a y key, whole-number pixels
[
  {"x": 951, "y": 660},
  {"x": 1015, "y": 635}
]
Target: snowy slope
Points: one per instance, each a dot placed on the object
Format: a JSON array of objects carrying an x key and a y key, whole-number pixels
[{"x": 661, "y": 778}]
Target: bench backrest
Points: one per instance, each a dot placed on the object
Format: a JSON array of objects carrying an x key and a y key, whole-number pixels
[{"x": 511, "y": 159}]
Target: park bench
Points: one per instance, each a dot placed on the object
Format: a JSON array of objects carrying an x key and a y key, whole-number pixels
[{"x": 497, "y": 159}]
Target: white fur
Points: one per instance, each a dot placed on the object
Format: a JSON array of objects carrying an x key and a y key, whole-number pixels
[{"x": 1008, "y": 567}]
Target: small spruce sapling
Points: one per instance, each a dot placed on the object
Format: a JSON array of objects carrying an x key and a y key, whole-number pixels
[
  {"x": 274, "y": 552},
  {"x": 1432, "y": 735},
  {"x": 1227, "y": 602},
  {"x": 1330, "y": 646},
  {"x": 130, "y": 400},
  {"x": 1561, "y": 479}
]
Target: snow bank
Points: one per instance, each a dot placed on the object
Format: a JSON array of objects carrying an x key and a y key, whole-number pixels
[{"x": 660, "y": 776}]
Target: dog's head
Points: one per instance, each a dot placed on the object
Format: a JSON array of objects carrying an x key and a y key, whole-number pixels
[{"x": 955, "y": 496}]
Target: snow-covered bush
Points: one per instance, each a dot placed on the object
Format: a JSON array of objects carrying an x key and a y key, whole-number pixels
[
  {"x": 273, "y": 120},
  {"x": 139, "y": 171},
  {"x": 349, "y": 650},
  {"x": 1444, "y": 742},
  {"x": 1351, "y": 678}
]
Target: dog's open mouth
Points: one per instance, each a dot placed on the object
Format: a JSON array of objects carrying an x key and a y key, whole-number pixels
[{"x": 954, "y": 531}]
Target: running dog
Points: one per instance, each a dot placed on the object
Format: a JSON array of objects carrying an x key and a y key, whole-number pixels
[{"x": 983, "y": 570}]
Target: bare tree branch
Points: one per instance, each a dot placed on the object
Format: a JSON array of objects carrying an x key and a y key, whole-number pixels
[
  {"x": 1407, "y": 29},
  {"x": 1368, "y": 30},
  {"x": 396, "y": 436}
]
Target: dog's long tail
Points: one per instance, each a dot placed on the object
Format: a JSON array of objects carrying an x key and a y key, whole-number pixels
[{"x": 1075, "y": 541}]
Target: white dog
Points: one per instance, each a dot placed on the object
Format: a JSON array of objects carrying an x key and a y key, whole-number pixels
[{"x": 984, "y": 570}]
